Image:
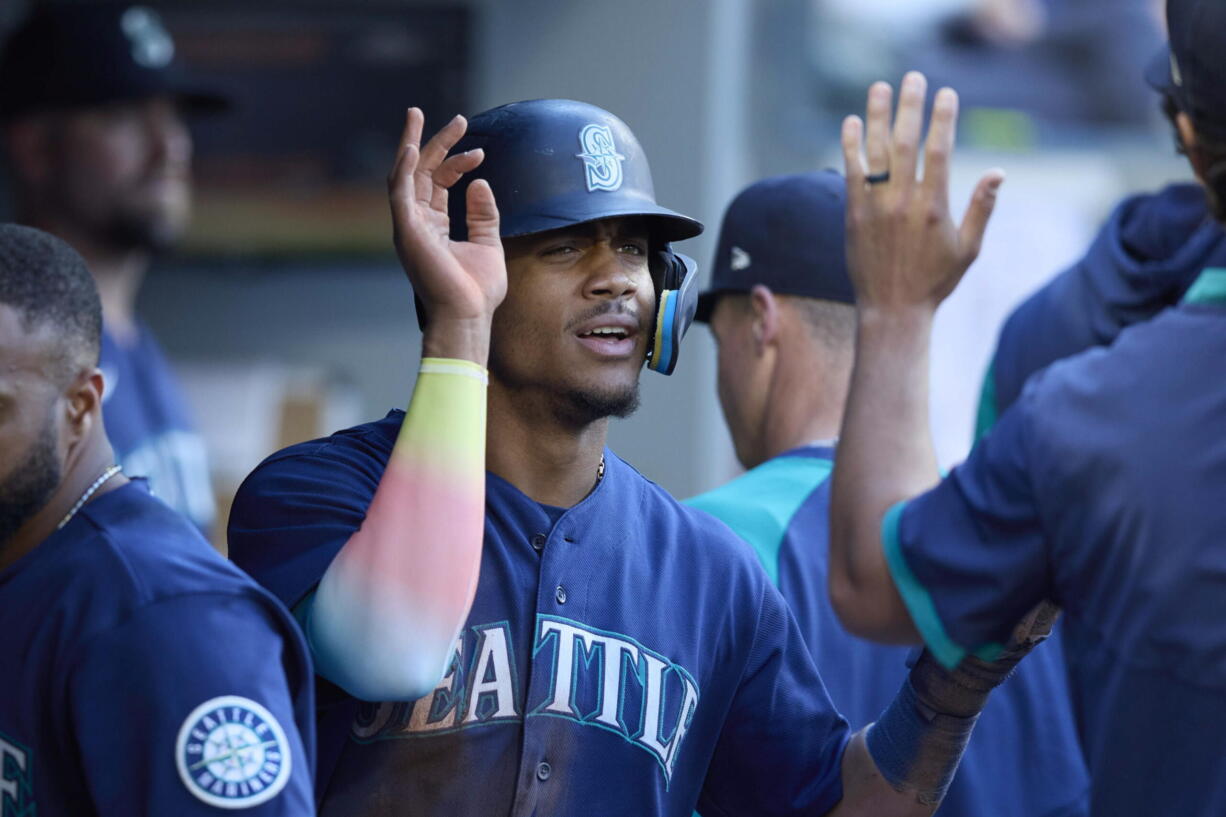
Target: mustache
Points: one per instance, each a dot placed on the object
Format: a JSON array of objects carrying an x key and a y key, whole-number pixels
[{"x": 609, "y": 308}]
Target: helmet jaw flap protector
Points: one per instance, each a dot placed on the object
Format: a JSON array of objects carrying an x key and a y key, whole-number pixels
[
  {"x": 676, "y": 305},
  {"x": 555, "y": 163}
]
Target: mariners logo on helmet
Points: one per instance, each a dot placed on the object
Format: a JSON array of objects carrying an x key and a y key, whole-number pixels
[
  {"x": 232, "y": 753},
  {"x": 151, "y": 45},
  {"x": 600, "y": 158}
]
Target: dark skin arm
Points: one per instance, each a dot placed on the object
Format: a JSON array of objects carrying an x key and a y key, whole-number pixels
[
  {"x": 867, "y": 794},
  {"x": 905, "y": 256}
]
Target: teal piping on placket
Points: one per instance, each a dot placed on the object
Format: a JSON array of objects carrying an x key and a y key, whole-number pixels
[{"x": 1209, "y": 288}]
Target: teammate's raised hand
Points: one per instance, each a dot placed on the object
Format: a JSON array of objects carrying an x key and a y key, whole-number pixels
[
  {"x": 460, "y": 282},
  {"x": 903, "y": 248}
]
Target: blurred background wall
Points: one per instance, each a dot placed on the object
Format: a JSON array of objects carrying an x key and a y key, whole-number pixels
[{"x": 286, "y": 314}]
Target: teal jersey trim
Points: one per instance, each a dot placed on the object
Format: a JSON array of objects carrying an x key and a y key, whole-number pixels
[
  {"x": 1209, "y": 288},
  {"x": 919, "y": 602},
  {"x": 759, "y": 504},
  {"x": 987, "y": 415}
]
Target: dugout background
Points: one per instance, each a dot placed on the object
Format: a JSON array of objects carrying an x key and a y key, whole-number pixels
[{"x": 286, "y": 314}]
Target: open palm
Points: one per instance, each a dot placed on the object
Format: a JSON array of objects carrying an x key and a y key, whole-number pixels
[
  {"x": 457, "y": 280},
  {"x": 903, "y": 246}
]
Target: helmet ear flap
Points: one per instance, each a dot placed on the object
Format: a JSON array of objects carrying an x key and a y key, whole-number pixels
[{"x": 675, "y": 308}]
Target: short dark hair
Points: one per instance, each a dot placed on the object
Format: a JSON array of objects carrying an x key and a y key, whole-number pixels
[
  {"x": 48, "y": 284},
  {"x": 1213, "y": 150},
  {"x": 831, "y": 323}
]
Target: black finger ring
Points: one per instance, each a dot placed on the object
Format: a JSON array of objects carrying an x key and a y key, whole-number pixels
[{"x": 877, "y": 178}]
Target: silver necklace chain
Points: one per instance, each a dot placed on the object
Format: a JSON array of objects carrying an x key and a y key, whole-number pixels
[
  {"x": 600, "y": 470},
  {"x": 98, "y": 483}
]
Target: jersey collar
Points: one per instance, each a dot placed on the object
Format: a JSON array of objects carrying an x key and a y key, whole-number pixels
[{"x": 1208, "y": 288}]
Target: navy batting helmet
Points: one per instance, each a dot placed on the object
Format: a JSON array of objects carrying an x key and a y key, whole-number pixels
[{"x": 555, "y": 163}]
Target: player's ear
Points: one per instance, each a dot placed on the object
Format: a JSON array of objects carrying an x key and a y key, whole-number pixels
[
  {"x": 1191, "y": 145},
  {"x": 83, "y": 403},
  {"x": 764, "y": 309}
]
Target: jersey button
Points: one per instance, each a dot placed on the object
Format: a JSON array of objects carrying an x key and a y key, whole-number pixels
[
  {"x": 538, "y": 542},
  {"x": 560, "y": 594},
  {"x": 543, "y": 770}
]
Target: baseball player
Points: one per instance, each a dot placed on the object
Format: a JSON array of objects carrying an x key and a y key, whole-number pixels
[
  {"x": 781, "y": 309},
  {"x": 510, "y": 619},
  {"x": 92, "y": 116},
  {"x": 1150, "y": 251},
  {"x": 142, "y": 673},
  {"x": 1097, "y": 488}
]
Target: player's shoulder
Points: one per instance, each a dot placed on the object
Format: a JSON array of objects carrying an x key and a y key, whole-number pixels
[
  {"x": 1093, "y": 406},
  {"x": 772, "y": 490},
  {"x": 674, "y": 525},
  {"x": 777, "y": 502},
  {"x": 1178, "y": 208},
  {"x": 355, "y": 457},
  {"x": 1140, "y": 356},
  {"x": 368, "y": 443},
  {"x": 130, "y": 550}
]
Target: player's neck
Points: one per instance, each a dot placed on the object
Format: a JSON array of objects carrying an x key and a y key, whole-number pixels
[
  {"x": 86, "y": 463},
  {"x": 118, "y": 295},
  {"x": 802, "y": 407},
  {"x": 547, "y": 460}
]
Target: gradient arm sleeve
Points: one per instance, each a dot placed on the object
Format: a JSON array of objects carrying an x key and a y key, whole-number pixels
[{"x": 389, "y": 607}]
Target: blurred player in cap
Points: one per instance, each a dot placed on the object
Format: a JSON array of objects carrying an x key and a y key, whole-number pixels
[
  {"x": 509, "y": 618},
  {"x": 91, "y": 113},
  {"x": 1099, "y": 488},
  {"x": 781, "y": 309},
  {"x": 1151, "y": 250},
  {"x": 142, "y": 674}
]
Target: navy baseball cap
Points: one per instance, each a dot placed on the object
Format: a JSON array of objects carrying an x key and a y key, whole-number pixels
[
  {"x": 1192, "y": 68},
  {"x": 785, "y": 232},
  {"x": 78, "y": 55}
]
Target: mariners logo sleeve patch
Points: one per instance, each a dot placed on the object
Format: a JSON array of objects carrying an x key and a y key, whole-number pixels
[{"x": 232, "y": 753}]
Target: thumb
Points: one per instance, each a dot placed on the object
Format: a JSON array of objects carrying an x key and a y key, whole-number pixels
[
  {"x": 975, "y": 222},
  {"x": 482, "y": 214}
]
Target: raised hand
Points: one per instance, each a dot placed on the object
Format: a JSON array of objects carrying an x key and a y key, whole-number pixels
[
  {"x": 460, "y": 282},
  {"x": 903, "y": 248}
]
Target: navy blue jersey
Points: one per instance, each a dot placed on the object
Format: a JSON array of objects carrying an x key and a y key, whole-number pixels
[
  {"x": 1143, "y": 260},
  {"x": 1023, "y": 759},
  {"x": 628, "y": 656},
  {"x": 1101, "y": 489},
  {"x": 151, "y": 429},
  {"x": 142, "y": 674}
]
